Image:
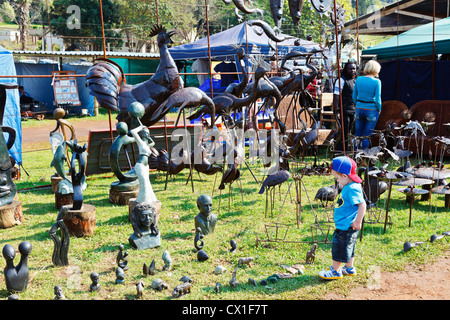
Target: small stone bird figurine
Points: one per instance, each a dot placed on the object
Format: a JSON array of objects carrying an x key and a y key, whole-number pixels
[{"x": 16, "y": 277}]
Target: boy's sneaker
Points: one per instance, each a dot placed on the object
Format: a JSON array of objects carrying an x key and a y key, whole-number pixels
[
  {"x": 349, "y": 271},
  {"x": 330, "y": 274}
]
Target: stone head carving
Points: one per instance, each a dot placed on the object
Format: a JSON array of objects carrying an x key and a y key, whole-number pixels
[{"x": 143, "y": 219}]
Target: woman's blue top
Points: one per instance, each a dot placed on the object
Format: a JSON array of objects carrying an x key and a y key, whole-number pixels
[{"x": 367, "y": 93}]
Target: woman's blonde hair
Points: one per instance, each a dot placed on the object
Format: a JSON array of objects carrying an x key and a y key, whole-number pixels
[{"x": 372, "y": 68}]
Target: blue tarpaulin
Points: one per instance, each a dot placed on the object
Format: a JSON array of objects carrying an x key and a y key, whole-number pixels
[
  {"x": 11, "y": 117},
  {"x": 41, "y": 89}
]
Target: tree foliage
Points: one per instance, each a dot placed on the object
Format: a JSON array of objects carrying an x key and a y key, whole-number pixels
[{"x": 90, "y": 24}]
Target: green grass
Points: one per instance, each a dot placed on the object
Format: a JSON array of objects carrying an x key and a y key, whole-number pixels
[{"x": 243, "y": 221}]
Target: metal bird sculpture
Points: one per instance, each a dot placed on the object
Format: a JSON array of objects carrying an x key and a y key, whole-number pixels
[
  {"x": 240, "y": 6},
  {"x": 295, "y": 10},
  {"x": 274, "y": 179},
  {"x": 328, "y": 194},
  {"x": 276, "y": 8},
  {"x": 106, "y": 81}
]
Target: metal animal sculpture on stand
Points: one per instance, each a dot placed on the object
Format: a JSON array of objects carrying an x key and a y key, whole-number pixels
[
  {"x": 276, "y": 8},
  {"x": 106, "y": 81},
  {"x": 190, "y": 97},
  {"x": 328, "y": 194},
  {"x": 269, "y": 184},
  {"x": 295, "y": 10},
  {"x": 16, "y": 277},
  {"x": 240, "y": 6},
  {"x": 238, "y": 88},
  {"x": 227, "y": 103},
  {"x": 271, "y": 33}
]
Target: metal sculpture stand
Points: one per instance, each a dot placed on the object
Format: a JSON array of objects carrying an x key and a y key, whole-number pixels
[
  {"x": 411, "y": 192},
  {"x": 389, "y": 176}
]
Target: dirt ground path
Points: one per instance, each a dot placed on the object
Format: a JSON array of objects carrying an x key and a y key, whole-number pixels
[
  {"x": 430, "y": 282},
  {"x": 425, "y": 282}
]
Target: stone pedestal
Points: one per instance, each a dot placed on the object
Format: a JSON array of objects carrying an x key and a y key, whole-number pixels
[
  {"x": 79, "y": 223},
  {"x": 11, "y": 215},
  {"x": 63, "y": 199}
]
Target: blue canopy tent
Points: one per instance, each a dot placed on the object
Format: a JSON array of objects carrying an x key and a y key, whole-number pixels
[
  {"x": 224, "y": 45},
  {"x": 11, "y": 116}
]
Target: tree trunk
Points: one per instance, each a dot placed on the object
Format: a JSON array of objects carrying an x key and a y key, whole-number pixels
[{"x": 23, "y": 11}]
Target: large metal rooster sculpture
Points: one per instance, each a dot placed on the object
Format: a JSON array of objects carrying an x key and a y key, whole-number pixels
[{"x": 106, "y": 82}]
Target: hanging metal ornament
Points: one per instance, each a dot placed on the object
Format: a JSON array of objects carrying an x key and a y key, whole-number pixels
[
  {"x": 276, "y": 8},
  {"x": 321, "y": 6},
  {"x": 340, "y": 13}
]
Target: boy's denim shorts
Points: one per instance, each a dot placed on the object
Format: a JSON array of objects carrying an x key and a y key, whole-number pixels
[{"x": 343, "y": 244}]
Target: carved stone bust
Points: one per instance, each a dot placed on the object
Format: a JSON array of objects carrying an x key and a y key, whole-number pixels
[
  {"x": 144, "y": 222},
  {"x": 205, "y": 220}
]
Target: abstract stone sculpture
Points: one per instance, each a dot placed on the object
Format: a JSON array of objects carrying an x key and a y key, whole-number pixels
[
  {"x": 16, "y": 277},
  {"x": 198, "y": 242},
  {"x": 61, "y": 243}
]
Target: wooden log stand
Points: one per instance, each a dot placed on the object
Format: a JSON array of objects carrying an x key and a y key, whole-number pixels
[
  {"x": 55, "y": 179},
  {"x": 79, "y": 223},
  {"x": 63, "y": 199},
  {"x": 122, "y": 197},
  {"x": 11, "y": 215}
]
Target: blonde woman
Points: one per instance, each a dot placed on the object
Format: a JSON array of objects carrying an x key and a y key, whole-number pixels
[{"x": 367, "y": 96}]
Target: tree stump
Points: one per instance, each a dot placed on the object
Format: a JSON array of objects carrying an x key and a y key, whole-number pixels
[
  {"x": 122, "y": 198},
  {"x": 55, "y": 183},
  {"x": 132, "y": 203},
  {"x": 63, "y": 199},
  {"x": 11, "y": 215},
  {"x": 79, "y": 223}
]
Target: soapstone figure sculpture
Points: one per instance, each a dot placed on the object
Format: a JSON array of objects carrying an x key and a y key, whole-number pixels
[
  {"x": 146, "y": 232},
  {"x": 16, "y": 277},
  {"x": 122, "y": 258},
  {"x": 167, "y": 260},
  {"x": 95, "y": 285},
  {"x": 59, "y": 295},
  {"x": 205, "y": 219}
]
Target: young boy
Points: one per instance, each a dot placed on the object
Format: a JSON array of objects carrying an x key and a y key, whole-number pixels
[{"x": 348, "y": 215}]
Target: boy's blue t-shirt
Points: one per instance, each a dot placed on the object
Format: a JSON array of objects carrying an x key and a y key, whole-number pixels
[{"x": 346, "y": 208}]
